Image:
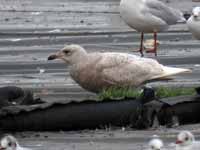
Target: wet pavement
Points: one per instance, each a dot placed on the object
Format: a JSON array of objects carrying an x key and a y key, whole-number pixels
[
  {"x": 108, "y": 139},
  {"x": 32, "y": 29}
]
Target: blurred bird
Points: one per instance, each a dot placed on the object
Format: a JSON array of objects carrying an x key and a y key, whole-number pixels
[
  {"x": 186, "y": 141},
  {"x": 193, "y": 23},
  {"x": 9, "y": 142},
  {"x": 156, "y": 143}
]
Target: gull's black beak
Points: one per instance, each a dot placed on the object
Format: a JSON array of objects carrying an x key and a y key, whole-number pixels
[
  {"x": 187, "y": 16},
  {"x": 52, "y": 57}
]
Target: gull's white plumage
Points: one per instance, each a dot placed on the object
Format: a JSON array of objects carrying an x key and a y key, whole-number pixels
[
  {"x": 9, "y": 142},
  {"x": 96, "y": 71},
  {"x": 193, "y": 23},
  {"x": 156, "y": 144},
  {"x": 186, "y": 141}
]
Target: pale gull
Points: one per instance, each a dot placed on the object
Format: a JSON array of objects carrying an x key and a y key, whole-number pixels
[
  {"x": 97, "y": 71},
  {"x": 193, "y": 23},
  {"x": 156, "y": 144},
  {"x": 186, "y": 141},
  {"x": 9, "y": 142},
  {"x": 149, "y": 16}
]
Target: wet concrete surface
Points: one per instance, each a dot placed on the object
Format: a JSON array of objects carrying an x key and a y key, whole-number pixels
[
  {"x": 32, "y": 29},
  {"x": 108, "y": 139}
]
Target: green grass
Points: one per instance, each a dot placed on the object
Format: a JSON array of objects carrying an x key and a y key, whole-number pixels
[
  {"x": 160, "y": 92},
  {"x": 118, "y": 93},
  {"x": 163, "y": 92}
]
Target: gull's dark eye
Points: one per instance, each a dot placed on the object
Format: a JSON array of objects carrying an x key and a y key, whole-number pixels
[
  {"x": 66, "y": 51},
  {"x": 9, "y": 144},
  {"x": 186, "y": 138}
]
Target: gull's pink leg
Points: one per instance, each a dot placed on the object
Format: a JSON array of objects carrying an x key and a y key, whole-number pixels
[
  {"x": 141, "y": 44},
  {"x": 155, "y": 43},
  {"x": 154, "y": 49}
]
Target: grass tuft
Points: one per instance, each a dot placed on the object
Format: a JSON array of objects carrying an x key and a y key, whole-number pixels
[
  {"x": 116, "y": 93},
  {"x": 160, "y": 92},
  {"x": 163, "y": 92}
]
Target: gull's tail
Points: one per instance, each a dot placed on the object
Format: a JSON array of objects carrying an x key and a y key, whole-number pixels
[{"x": 170, "y": 71}]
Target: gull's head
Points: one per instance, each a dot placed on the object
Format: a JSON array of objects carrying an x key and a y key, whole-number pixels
[
  {"x": 156, "y": 144},
  {"x": 8, "y": 142},
  {"x": 196, "y": 12},
  {"x": 70, "y": 54},
  {"x": 185, "y": 138}
]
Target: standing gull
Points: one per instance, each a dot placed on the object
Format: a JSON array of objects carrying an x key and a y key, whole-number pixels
[
  {"x": 149, "y": 16},
  {"x": 9, "y": 142},
  {"x": 193, "y": 22},
  {"x": 97, "y": 71}
]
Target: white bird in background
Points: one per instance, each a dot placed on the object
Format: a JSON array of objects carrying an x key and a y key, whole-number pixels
[
  {"x": 9, "y": 142},
  {"x": 186, "y": 141},
  {"x": 98, "y": 71},
  {"x": 156, "y": 144},
  {"x": 193, "y": 23},
  {"x": 149, "y": 16}
]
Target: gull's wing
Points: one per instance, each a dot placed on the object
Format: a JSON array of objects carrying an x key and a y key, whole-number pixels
[
  {"x": 162, "y": 11},
  {"x": 125, "y": 69}
]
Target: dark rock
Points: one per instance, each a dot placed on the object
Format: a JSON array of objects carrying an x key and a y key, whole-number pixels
[
  {"x": 187, "y": 16},
  {"x": 184, "y": 108},
  {"x": 12, "y": 95},
  {"x": 147, "y": 95},
  {"x": 197, "y": 90}
]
